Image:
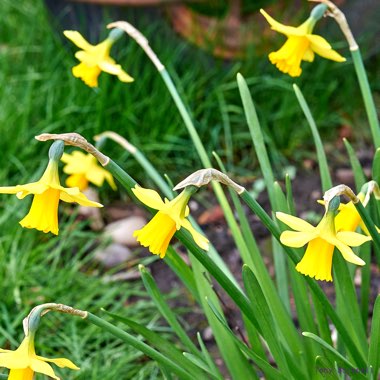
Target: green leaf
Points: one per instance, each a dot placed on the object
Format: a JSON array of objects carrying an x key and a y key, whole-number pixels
[
  {"x": 165, "y": 310},
  {"x": 211, "y": 364},
  {"x": 374, "y": 344},
  {"x": 357, "y": 169},
  {"x": 141, "y": 346},
  {"x": 322, "y": 161},
  {"x": 199, "y": 363},
  {"x": 271, "y": 328},
  {"x": 376, "y": 166},
  {"x": 257, "y": 137},
  {"x": 166, "y": 347},
  {"x": 325, "y": 368},
  {"x": 341, "y": 360},
  {"x": 270, "y": 372},
  {"x": 236, "y": 362}
]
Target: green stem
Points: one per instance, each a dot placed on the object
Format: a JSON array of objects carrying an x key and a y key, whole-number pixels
[
  {"x": 367, "y": 96},
  {"x": 270, "y": 225},
  {"x": 186, "y": 118},
  {"x": 139, "y": 345}
]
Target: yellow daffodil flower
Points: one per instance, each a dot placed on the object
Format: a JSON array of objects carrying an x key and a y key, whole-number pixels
[
  {"x": 24, "y": 362},
  {"x": 84, "y": 168},
  {"x": 321, "y": 240},
  {"x": 94, "y": 59},
  {"x": 171, "y": 216},
  {"x": 300, "y": 46},
  {"x": 43, "y": 214}
]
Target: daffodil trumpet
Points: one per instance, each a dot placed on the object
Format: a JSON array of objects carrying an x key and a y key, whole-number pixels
[
  {"x": 96, "y": 58},
  {"x": 171, "y": 216},
  {"x": 321, "y": 241},
  {"x": 47, "y": 192},
  {"x": 301, "y": 44}
]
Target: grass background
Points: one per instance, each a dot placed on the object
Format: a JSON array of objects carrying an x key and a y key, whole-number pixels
[{"x": 38, "y": 94}]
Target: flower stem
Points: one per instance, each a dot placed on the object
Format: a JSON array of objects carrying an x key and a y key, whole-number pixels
[
  {"x": 367, "y": 96},
  {"x": 139, "y": 345}
]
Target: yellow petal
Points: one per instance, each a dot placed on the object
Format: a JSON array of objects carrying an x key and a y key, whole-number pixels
[
  {"x": 96, "y": 175},
  {"x": 149, "y": 197},
  {"x": 317, "y": 260},
  {"x": 348, "y": 254},
  {"x": 76, "y": 162},
  {"x": 320, "y": 46},
  {"x": 199, "y": 239},
  {"x": 284, "y": 29},
  {"x": 43, "y": 367},
  {"x": 60, "y": 362},
  {"x": 308, "y": 56},
  {"x": 77, "y": 39},
  {"x": 296, "y": 239},
  {"x": 114, "y": 69},
  {"x": 77, "y": 180},
  {"x": 295, "y": 223},
  {"x": 352, "y": 239},
  {"x": 71, "y": 195}
]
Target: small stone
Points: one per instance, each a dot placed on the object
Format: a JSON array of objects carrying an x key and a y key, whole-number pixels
[
  {"x": 113, "y": 255},
  {"x": 207, "y": 334},
  {"x": 121, "y": 232},
  {"x": 345, "y": 175}
]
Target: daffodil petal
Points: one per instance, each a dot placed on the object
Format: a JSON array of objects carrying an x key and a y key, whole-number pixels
[
  {"x": 295, "y": 223},
  {"x": 352, "y": 239},
  {"x": 296, "y": 239},
  {"x": 308, "y": 56},
  {"x": 324, "y": 48},
  {"x": 114, "y": 69},
  {"x": 71, "y": 195},
  {"x": 60, "y": 362},
  {"x": 149, "y": 197},
  {"x": 348, "y": 253},
  {"x": 281, "y": 28},
  {"x": 77, "y": 39},
  {"x": 199, "y": 239},
  {"x": 42, "y": 367},
  {"x": 13, "y": 360}
]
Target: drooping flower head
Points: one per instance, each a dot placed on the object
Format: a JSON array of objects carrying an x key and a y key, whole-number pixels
[
  {"x": 24, "y": 362},
  {"x": 84, "y": 168},
  {"x": 171, "y": 216},
  {"x": 96, "y": 58},
  {"x": 301, "y": 44},
  {"x": 47, "y": 191},
  {"x": 321, "y": 240}
]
